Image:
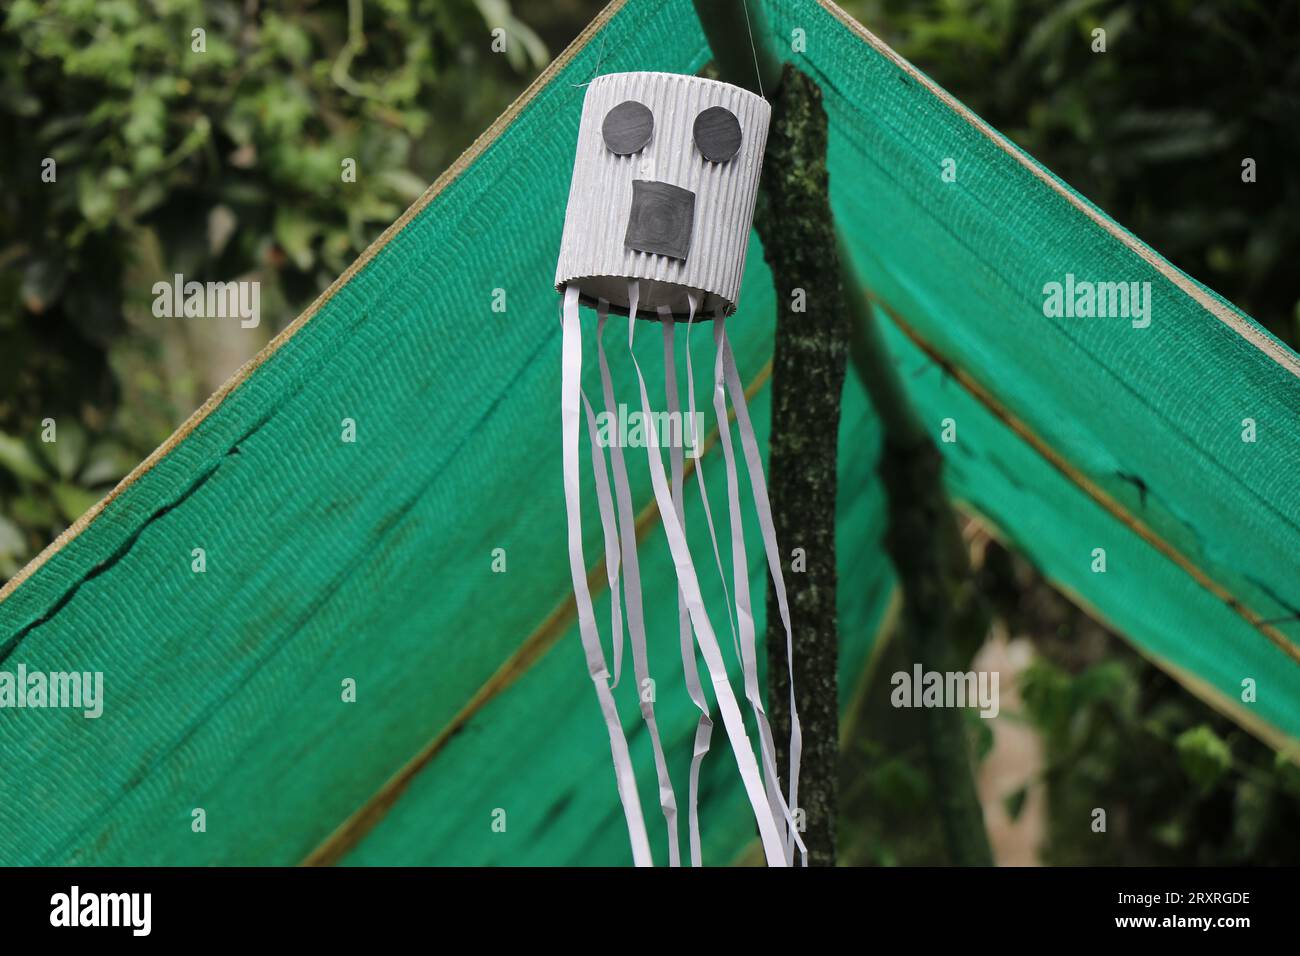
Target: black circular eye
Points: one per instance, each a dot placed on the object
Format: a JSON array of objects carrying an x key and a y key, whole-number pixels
[
  {"x": 628, "y": 127},
  {"x": 717, "y": 134}
]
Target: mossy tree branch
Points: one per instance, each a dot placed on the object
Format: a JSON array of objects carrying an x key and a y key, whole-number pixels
[{"x": 810, "y": 353}]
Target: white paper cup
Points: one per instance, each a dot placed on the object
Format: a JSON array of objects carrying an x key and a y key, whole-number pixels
[{"x": 597, "y": 252}]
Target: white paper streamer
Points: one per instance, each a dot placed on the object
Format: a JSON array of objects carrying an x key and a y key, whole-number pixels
[
  {"x": 608, "y": 525},
  {"x": 616, "y": 462},
  {"x": 733, "y": 721},
  {"x": 704, "y": 727},
  {"x": 635, "y": 610},
  {"x": 740, "y": 580},
  {"x": 570, "y": 388},
  {"x": 758, "y": 484},
  {"x": 693, "y": 301},
  {"x": 610, "y": 528}
]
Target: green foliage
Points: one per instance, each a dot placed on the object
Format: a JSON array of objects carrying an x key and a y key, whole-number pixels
[
  {"x": 55, "y": 482},
  {"x": 221, "y": 164},
  {"x": 1180, "y": 784},
  {"x": 1204, "y": 755},
  {"x": 887, "y": 815}
]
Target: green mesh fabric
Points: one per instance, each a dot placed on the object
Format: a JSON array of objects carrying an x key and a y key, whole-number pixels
[
  {"x": 374, "y": 560},
  {"x": 1152, "y": 418}
]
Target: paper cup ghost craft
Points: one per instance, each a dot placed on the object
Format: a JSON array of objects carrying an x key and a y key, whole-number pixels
[{"x": 664, "y": 182}]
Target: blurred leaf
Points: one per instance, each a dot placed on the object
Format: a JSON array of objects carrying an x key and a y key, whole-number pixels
[
  {"x": 1204, "y": 756},
  {"x": 1251, "y": 806},
  {"x": 18, "y": 459},
  {"x": 1288, "y": 775},
  {"x": 294, "y": 231},
  {"x": 13, "y": 549},
  {"x": 981, "y": 732},
  {"x": 1171, "y": 833},
  {"x": 72, "y": 500},
  {"x": 1014, "y": 802},
  {"x": 42, "y": 283},
  {"x": 900, "y": 784},
  {"x": 406, "y": 184},
  {"x": 107, "y": 462},
  {"x": 95, "y": 200},
  {"x": 33, "y": 511},
  {"x": 66, "y": 451},
  {"x": 222, "y": 223}
]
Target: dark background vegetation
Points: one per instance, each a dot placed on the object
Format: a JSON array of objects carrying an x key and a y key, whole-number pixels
[{"x": 226, "y": 166}]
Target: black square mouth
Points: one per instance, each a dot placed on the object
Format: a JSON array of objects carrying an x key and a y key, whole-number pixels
[{"x": 662, "y": 219}]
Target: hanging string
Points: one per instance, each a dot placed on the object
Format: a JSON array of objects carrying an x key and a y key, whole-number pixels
[
  {"x": 732, "y": 719},
  {"x": 570, "y": 386},
  {"x": 753, "y": 49}
]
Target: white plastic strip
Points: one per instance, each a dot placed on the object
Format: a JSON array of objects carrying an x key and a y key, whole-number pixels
[
  {"x": 570, "y": 386},
  {"x": 740, "y": 581},
  {"x": 732, "y": 719},
  {"x": 758, "y": 484},
  {"x": 645, "y": 690}
]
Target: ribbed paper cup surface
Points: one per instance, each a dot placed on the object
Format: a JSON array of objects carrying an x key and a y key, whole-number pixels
[{"x": 695, "y": 212}]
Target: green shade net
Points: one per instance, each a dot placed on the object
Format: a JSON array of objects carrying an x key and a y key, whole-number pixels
[{"x": 374, "y": 560}]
